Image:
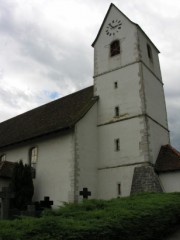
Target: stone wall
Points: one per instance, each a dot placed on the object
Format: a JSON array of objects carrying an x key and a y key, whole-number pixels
[{"x": 145, "y": 180}]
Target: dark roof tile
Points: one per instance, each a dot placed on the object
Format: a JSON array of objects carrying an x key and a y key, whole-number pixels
[{"x": 168, "y": 159}]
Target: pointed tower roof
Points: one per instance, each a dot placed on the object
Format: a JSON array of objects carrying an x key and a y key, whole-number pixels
[{"x": 111, "y": 6}]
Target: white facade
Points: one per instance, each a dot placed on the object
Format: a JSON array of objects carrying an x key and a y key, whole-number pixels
[
  {"x": 54, "y": 167},
  {"x": 86, "y": 148},
  {"x": 170, "y": 181}
]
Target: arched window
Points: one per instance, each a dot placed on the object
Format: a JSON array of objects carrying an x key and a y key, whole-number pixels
[
  {"x": 115, "y": 48},
  {"x": 33, "y": 156},
  {"x": 2, "y": 158}
]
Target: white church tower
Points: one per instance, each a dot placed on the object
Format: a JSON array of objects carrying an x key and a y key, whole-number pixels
[{"x": 132, "y": 118}]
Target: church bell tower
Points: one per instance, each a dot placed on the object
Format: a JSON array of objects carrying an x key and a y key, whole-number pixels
[{"x": 132, "y": 118}]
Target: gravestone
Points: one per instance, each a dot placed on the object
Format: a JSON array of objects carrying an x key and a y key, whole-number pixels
[
  {"x": 46, "y": 203},
  {"x": 5, "y": 195},
  {"x": 85, "y": 193}
]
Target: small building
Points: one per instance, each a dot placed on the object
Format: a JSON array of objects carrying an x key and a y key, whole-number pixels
[{"x": 168, "y": 168}]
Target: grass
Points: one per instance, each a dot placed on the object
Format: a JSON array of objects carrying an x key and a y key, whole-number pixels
[{"x": 142, "y": 217}]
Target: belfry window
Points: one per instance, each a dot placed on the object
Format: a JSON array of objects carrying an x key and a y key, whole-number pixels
[{"x": 115, "y": 48}]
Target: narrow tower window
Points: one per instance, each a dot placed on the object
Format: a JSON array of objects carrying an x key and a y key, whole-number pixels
[
  {"x": 115, "y": 48},
  {"x": 119, "y": 189},
  {"x": 115, "y": 84},
  {"x": 116, "y": 110},
  {"x": 149, "y": 51},
  {"x": 117, "y": 144}
]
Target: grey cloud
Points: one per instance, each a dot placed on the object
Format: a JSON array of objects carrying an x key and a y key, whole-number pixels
[
  {"x": 7, "y": 20},
  {"x": 175, "y": 139},
  {"x": 174, "y": 124},
  {"x": 35, "y": 43},
  {"x": 12, "y": 98},
  {"x": 39, "y": 52},
  {"x": 173, "y": 93}
]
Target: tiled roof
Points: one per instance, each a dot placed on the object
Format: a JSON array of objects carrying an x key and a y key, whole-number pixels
[
  {"x": 6, "y": 169},
  {"x": 49, "y": 118},
  {"x": 168, "y": 159}
]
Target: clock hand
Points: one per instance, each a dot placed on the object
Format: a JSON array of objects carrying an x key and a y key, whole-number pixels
[{"x": 116, "y": 26}]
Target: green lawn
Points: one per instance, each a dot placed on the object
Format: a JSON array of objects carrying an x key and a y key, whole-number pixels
[{"x": 147, "y": 216}]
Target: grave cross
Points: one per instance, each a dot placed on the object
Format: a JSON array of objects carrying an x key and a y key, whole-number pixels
[
  {"x": 85, "y": 193},
  {"x": 46, "y": 203},
  {"x": 6, "y": 194}
]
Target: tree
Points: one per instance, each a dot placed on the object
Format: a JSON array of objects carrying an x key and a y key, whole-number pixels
[{"x": 22, "y": 186}]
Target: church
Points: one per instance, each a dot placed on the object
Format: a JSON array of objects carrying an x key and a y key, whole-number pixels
[{"x": 105, "y": 141}]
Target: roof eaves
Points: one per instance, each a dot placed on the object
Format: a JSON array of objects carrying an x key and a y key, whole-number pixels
[
  {"x": 167, "y": 170},
  {"x": 37, "y": 137}
]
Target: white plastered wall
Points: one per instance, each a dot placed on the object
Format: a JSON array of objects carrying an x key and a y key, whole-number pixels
[
  {"x": 86, "y": 152},
  {"x": 109, "y": 180},
  {"x": 153, "y": 65},
  {"x": 154, "y": 97},
  {"x": 131, "y": 135},
  {"x": 126, "y": 96},
  {"x": 158, "y": 136},
  {"x": 54, "y": 168},
  {"x": 170, "y": 181}
]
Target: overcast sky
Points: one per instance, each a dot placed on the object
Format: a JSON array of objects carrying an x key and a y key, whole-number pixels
[{"x": 46, "y": 53}]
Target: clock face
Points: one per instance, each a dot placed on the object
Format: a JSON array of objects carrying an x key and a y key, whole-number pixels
[{"x": 113, "y": 27}]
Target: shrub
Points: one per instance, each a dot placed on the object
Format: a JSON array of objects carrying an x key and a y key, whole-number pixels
[
  {"x": 22, "y": 186},
  {"x": 141, "y": 217}
]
